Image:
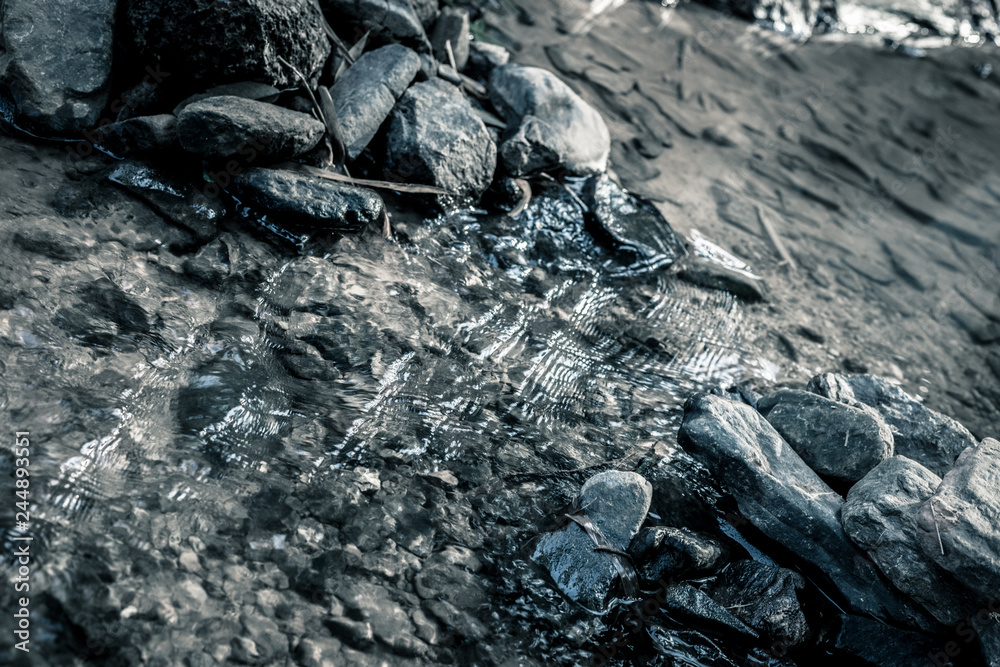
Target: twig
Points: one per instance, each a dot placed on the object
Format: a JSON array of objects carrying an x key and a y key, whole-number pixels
[
  {"x": 305, "y": 84},
  {"x": 775, "y": 239},
  {"x": 934, "y": 513}
]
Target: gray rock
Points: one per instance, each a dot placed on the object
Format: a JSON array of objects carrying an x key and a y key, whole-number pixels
[
  {"x": 765, "y": 597},
  {"x": 780, "y": 495},
  {"x": 872, "y": 643},
  {"x": 250, "y": 90},
  {"x": 688, "y": 604},
  {"x": 388, "y": 20},
  {"x": 927, "y": 437},
  {"x": 145, "y": 135},
  {"x": 436, "y": 138},
  {"x": 222, "y": 127},
  {"x": 174, "y": 199},
  {"x": 617, "y": 503},
  {"x": 484, "y": 58},
  {"x": 210, "y": 42},
  {"x": 389, "y": 623},
  {"x": 296, "y": 200},
  {"x": 880, "y": 516},
  {"x": 426, "y": 11},
  {"x": 959, "y": 526},
  {"x": 987, "y": 628},
  {"x": 442, "y": 581},
  {"x": 365, "y": 94},
  {"x": 454, "y": 620},
  {"x": 56, "y": 60},
  {"x": 452, "y": 26},
  {"x": 705, "y": 272},
  {"x": 317, "y": 651},
  {"x": 836, "y": 440},
  {"x": 664, "y": 552},
  {"x": 549, "y": 125}
]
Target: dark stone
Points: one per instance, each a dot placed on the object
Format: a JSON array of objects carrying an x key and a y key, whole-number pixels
[
  {"x": 221, "y": 127},
  {"x": 388, "y": 21},
  {"x": 617, "y": 503},
  {"x": 665, "y": 552},
  {"x": 630, "y": 224},
  {"x": 426, "y": 11},
  {"x": 927, "y": 437},
  {"x": 442, "y": 581},
  {"x": 250, "y": 90},
  {"x": 765, "y": 597},
  {"x": 356, "y": 633},
  {"x": 300, "y": 201},
  {"x": 175, "y": 199},
  {"x": 50, "y": 243},
  {"x": 141, "y": 136},
  {"x": 435, "y": 138},
  {"x": 484, "y": 58},
  {"x": 880, "y": 516},
  {"x": 689, "y": 605},
  {"x": 365, "y": 94},
  {"x": 211, "y": 42},
  {"x": 56, "y": 61},
  {"x": 780, "y": 495},
  {"x": 455, "y": 621},
  {"x": 706, "y": 272},
  {"x": 389, "y": 623},
  {"x": 958, "y": 526},
  {"x": 452, "y": 26},
  {"x": 548, "y": 125},
  {"x": 838, "y": 441},
  {"x": 873, "y": 643}
]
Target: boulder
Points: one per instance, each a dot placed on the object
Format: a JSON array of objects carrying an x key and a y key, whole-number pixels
[
  {"x": 56, "y": 61},
  {"x": 838, "y": 441},
  {"x": 365, "y": 94},
  {"x": 665, "y": 552},
  {"x": 435, "y": 138},
  {"x": 452, "y": 26},
  {"x": 959, "y": 526},
  {"x": 211, "y": 42},
  {"x": 780, "y": 495},
  {"x": 221, "y": 127},
  {"x": 927, "y": 437},
  {"x": 298, "y": 201},
  {"x": 251, "y": 90},
  {"x": 765, "y": 597},
  {"x": 548, "y": 125},
  {"x": 388, "y": 21},
  {"x": 616, "y": 503},
  {"x": 880, "y": 516}
]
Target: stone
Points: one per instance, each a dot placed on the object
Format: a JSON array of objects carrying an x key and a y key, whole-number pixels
[
  {"x": 880, "y": 516},
  {"x": 987, "y": 629},
  {"x": 634, "y": 227},
  {"x": 484, "y": 58},
  {"x": 317, "y": 651},
  {"x": 442, "y": 581},
  {"x": 143, "y": 135},
  {"x": 783, "y": 498},
  {"x": 872, "y": 643},
  {"x": 455, "y": 621},
  {"x": 664, "y": 552},
  {"x": 250, "y": 90},
  {"x": 435, "y": 138},
  {"x": 838, "y": 441},
  {"x": 388, "y": 21},
  {"x": 222, "y": 127},
  {"x": 616, "y": 502},
  {"x": 959, "y": 526},
  {"x": 426, "y": 11},
  {"x": 365, "y": 94},
  {"x": 690, "y": 605},
  {"x": 548, "y": 125},
  {"x": 452, "y": 26},
  {"x": 920, "y": 434},
  {"x": 389, "y": 623},
  {"x": 212, "y": 42},
  {"x": 172, "y": 197},
  {"x": 299, "y": 201},
  {"x": 765, "y": 597},
  {"x": 56, "y": 61},
  {"x": 706, "y": 272}
]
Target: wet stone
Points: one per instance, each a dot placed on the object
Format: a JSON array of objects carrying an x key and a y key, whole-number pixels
[
  {"x": 388, "y": 20},
  {"x": 705, "y": 272},
  {"x": 616, "y": 502},
  {"x": 454, "y": 621},
  {"x": 145, "y": 135},
  {"x": 689, "y": 604},
  {"x": 450, "y": 584},
  {"x": 389, "y": 623},
  {"x": 836, "y": 440},
  {"x": 665, "y": 552},
  {"x": 250, "y": 90},
  {"x": 227, "y": 126},
  {"x": 874, "y": 643},
  {"x": 176, "y": 199}
]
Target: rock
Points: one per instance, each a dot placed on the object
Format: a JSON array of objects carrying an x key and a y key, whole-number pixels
[
  {"x": 484, "y": 58},
  {"x": 365, "y": 94},
  {"x": 173, "y": 198},
  {"x": 873, "y": 643},
  {"x": 444, "y": 479},
  {"x": 452, "y": 26},
  {"x": 958, "y": 526},
  {"x": 442, "y": 581},
  {"x": 836, "y": 440},
  {"x": 302, "y": 202},
  {"x": 436, "y": 138},
  {"x": 426, "y": 11},
  {"x": 388, "y": 20},
  {"x": 780, "y": 495},
  {"x": 548, "y": 125},
  {"x": 455, "y": 621},
  {"x": 665, "y": 552},
  {"x": 631, "y": 225},
  {"x": 987, "y": 629},
  {"x": 688, "y": 604},
  {"x": 616, "y": 502},
  {"x": 141, "y": 136},
  {"x": 706, "y": 272},
  {"x": 880, "y": 516},
  {"x": 211, "y": 42},
  {"x": 307, "y": 284},
  {"x": 56, "y": 61},
  {"x": 250, "y": 90},
  {"x": 389, "y": 623},
  {"x": 765, "y": 597},
  {"x": 221, "y": 127},
  {"x": 317, "y": 651},
  {"x": 927, "y": 437}
]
